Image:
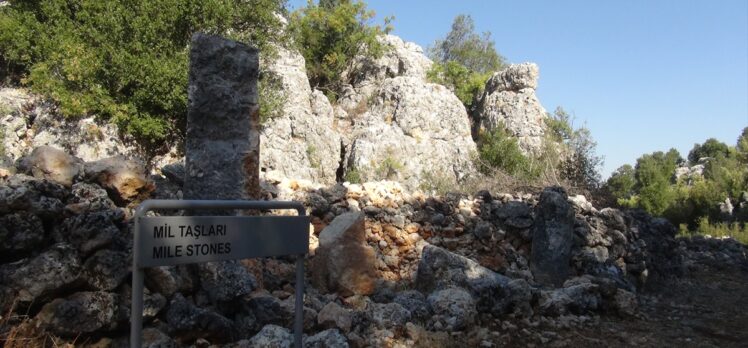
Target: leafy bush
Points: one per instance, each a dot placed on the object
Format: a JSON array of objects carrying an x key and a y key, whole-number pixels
[
  {"x": 621, "y": 183},
  {"x": 718, "y": 230},
  {"x": 330, "y": 34},
  {"x": 580, "y": 165},
  {"x": 498, "y": 150},
  {"x": 352, "y": 175},
  {"x": 272, "y": 96},
  {"x": 464, "y": 83},
  {"x": 711, "y": 148},
  {"x": 388, "y": 168},
  {"x": 123, "y": 60}
]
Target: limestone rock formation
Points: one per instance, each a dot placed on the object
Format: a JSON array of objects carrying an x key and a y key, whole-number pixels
[
  {"x": 509, "y": 100},
  {"x": 47, "y": 162},
  {"x": 302, "y": 142},
  {"x": 30, "y": 122},
  {"x": 413, "y": 131}
]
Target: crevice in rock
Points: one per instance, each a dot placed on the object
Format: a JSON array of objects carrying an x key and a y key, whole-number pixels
[{"x": 340, "y": 172}]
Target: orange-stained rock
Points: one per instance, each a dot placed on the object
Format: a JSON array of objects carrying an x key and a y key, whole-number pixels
[{"x": 344, "y": 263}]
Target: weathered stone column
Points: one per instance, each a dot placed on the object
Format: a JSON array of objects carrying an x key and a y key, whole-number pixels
[
  {"x": 223, "y": 138},
  {"x": 552, "y": 238}
]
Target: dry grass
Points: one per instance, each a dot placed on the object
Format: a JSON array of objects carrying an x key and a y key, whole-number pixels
[
  {"x": 21, "y": 331},
  {"x": 735, "y": 230}
]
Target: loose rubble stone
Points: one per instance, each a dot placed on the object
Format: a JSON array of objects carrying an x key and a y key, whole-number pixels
[
  {"x": 20, "y": 232},
  {"x": 391, "y": 316},
  {"x": 106, "y": 269},
  {"x": 225, "y": 281},
  {"x": 47, "y": 162},
  {"x": 334, "y": 315},
  {"x": 415, "y": 302},
  {"x": 575, "y": 297},
  {"x": 43, "y": 276},
  {"x": 454, "y": 309},
  {"x": 343, "y": 261},
  {"x": 271, "y": 336},
  {"x": 325, "y": 339},
  {"x": 83, "y": 312},
  {"x": 124, "y": 179},
  {"x": 90, "y": 231},
  {"x": 189, "y": 322}
]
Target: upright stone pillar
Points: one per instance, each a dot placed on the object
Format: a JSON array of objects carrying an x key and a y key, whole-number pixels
[
  {"x": 223, "y": 137},
  {"x": 552, "y": 238}
]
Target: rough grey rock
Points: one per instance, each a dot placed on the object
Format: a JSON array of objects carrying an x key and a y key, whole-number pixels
[
  {"x": 175, "y": 172},
  {"x": 47, "y": 162},
  {"x": 33, "y": 122},
  {"x": 38, "y": 196},
  {"x": 578, "y": 296},
  {"x": 106, "y": 269},
  {"x": 89, "y": 197},
  {"x": 124, "y": 179},
  {"x": 514, "y": 214},
  {"x": 552, "y": 238},
  {"x": 269, "y": 310},
  {"x": 271, "y": 336},
  {"x": 83, "y": 312},
  {"x": 20, "y": 232},
  {"x": 189, "y": 322},
  {"x": 509, "y": 100},
  {"x": 222, "y": 120},
  {"x": 301, "y": 142},
  {"x": 388, "y": 315},
  {"x": 334, "y": 315},
  {"x": 225, "y": 281},
  {"x": 43, "y": 276},
  {"x": 400, "y": 59},
  {"x": 441, "y": 269},
  {"x": 168, "y": 280},
  {"x": 415, "y": 302},
  {"x": 90, "y": 231},
  {"x": 454, "y": 309},
  {"x": 326, "y": 339},
  {"x": 154, "y": 338},
  {"x": 344, "y": 262},
  {"x": 412, "y": 132}
]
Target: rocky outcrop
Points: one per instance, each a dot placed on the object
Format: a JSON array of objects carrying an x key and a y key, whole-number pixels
[
  {"x": 301, "y": 142},
  {"x": 413, "y": 132},
  {"x": 30, "y": 122},
  {"x": 47, "y": 162},
  {"x": 509, "y": 101}
]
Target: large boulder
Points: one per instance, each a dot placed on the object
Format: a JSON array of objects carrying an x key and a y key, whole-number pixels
[
  {"x": 509, "y": 101},
  {"x": 225, "y": 281},
  {"x": 344, "y": 262},
  {"x": 454, "y": 309},
  {"x": 124, "y": 179},
  {"x": 440, "y": 269},
  {"x": 47, "y": 162},
  {"x": 300, "y": 142},
  {"x": 413, "y": 132},
  {"x": 552, "y": 238}
]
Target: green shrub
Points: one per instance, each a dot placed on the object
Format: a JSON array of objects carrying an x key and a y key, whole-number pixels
[
  {"x": 389, "y": 167},
  {"x": 126, "y": 61},
  {"x": 272, "y": 96},
  {"x": 329, "y": 35},
  {"x": 717, "y": 230},
  {"x": 711, "y": 148},
  {"x": 352, "y": 175},
  {"x": 498, "y": 150},
  {"x": 580, "y": 165},
  {"x": 621, "y": 183},
  {"x": 466, "y": 84}
]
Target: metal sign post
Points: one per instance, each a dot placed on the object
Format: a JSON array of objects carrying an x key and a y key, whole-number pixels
[{"x": 174, "y": 240}]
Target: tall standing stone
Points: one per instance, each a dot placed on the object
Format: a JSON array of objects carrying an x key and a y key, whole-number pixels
[
  {"x": 552, "y": 237},
  {"x": 223, "y": 137}
]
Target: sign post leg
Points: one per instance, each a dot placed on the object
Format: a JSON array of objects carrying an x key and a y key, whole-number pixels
[
  {"x": 136, "y": 316},
  {"x": 299, "y": 308}
]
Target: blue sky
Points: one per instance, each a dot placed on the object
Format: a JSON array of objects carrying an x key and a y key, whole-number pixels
[{"x": 642, "y": 75}]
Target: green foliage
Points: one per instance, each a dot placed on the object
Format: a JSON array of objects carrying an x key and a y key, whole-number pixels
[
  {"x": 464, "y": 60},
  {"x": 711, "y": 148},
  {"x": 742, "y": 146},
  {"x": 580, "y": 166},
  {"x": 466, "y": 84},
  {"x": 330, "y": 34},
  {"x": 467, "y": 48},
  {"x": 437, "y": 182},
  {"x": 621, "y": 183},
  {"x": 718, "y": 230},
  {"x": 497, "y": 150},
  {"x": 272, "y": 96},
  {"x": 123, "y": 60},
  {"x": 2, "y": 141},
  {"x": 353, "y": 176},
  {"x": 688, "y": 200}
]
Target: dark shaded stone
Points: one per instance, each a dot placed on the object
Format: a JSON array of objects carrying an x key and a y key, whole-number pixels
[
  {"x": 106, "y": 269},
  {"x": 83, "y": 312},
  {"x": 20, "y": 232},
  {"x": 222, "y": 121},
  {"x": 552, "y": 238},
  {"x": 189, "y": 322}
]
